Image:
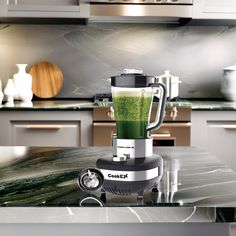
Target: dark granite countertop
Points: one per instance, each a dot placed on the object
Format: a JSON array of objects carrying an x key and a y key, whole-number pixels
[
  {"x": 67, "y": 104},
  {"x": 49, "y": 105},
  {"x": 47, "y": 177},
  {"x": 213, "y": 106},
  {"x": 73, "y": 104}
]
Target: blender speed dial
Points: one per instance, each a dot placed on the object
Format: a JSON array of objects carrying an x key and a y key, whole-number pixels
[{"x": 90, "y": 179}]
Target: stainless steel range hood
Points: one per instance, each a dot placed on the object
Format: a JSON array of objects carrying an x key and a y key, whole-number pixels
[{"x": 140, "y": 10}]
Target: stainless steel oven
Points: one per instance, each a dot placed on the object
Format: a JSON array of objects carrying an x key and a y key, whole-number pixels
[{"x": 175, "y": 130}]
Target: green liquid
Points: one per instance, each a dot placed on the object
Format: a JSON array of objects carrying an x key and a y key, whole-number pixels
[{"x": 132, "y": 115}]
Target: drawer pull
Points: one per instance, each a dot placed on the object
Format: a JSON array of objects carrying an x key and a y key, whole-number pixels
[
  {"x": 107, "y": 124},
  {"x": 43, "y": 127}
]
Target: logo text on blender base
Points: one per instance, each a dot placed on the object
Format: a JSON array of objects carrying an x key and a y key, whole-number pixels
[{"x": 117, "y": 176}]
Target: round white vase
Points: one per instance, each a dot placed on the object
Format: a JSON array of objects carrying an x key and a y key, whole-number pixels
[{"x": 23, "y": 84}]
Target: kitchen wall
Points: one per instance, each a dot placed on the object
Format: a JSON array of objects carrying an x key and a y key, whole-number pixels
[{"x": 88, "y": 55}]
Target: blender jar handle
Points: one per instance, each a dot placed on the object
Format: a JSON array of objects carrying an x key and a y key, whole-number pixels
[{"x": 161, "y": 107}]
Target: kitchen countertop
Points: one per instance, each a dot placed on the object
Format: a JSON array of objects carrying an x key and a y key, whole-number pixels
[
  {"x": 88, "y": 104},
  {"x": 46, "y": 179},
  {"x": 68, "y": 105},
  {"x": 213, "y": 105}
]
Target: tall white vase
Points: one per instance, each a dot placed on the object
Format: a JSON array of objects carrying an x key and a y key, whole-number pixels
[
  {"x": 23, "y": 84},
  {"x": 1, "y": 93}
]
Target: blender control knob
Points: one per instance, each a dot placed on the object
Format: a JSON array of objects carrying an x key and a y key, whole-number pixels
[{"x": 90, "y": 179}]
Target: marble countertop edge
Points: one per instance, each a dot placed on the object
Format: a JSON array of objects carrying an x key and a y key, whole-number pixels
[{"x": 107, "y": 215}]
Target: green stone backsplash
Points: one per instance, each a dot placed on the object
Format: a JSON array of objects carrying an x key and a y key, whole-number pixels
[{"x": 89, "y": 55}]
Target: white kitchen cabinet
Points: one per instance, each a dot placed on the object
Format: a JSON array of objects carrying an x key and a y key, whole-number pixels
[
  {"x": 214, "y": 9},
  {"x": 216, "y": 132},
  {"x": 46, "y": 128},
  {"x": 46, "y": 8},
  {"x": 3, "y": 8}
]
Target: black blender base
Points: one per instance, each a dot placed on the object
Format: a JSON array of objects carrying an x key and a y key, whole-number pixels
[{"x": 134, "y": 176}]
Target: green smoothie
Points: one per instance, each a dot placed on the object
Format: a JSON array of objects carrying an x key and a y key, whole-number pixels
[{"x": 132, "y": 114}]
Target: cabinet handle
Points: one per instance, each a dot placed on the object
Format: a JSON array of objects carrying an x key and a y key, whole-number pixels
[
  {"x": 112, "y": 124},
  {"x": 229, "y": 126},
  {"x": 43, "y": 127},
  {"x": 222, "y": 126}
]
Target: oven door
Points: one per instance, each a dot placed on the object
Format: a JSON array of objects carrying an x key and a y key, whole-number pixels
[{"x": 170, "y": 134}]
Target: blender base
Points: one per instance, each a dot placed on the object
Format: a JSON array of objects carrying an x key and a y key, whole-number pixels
[{"x": 131, "y": 177}]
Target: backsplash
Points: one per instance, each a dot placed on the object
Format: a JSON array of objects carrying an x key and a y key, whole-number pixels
[{"x": 89, "y": 55}]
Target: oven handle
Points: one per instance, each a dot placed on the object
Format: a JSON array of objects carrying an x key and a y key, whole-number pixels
[
  {"x": 171, "y": 125},
  {"x": 167, "y": 135},
  {"x": 177, "y": 125}
]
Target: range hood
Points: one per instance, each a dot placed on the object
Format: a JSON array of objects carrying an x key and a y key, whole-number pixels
[{"x": 140, "y": 10}]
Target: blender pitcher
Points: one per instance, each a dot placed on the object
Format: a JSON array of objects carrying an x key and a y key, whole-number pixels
[{"x": 132, "y": 95}]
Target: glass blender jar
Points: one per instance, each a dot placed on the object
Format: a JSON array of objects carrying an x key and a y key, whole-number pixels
[{"x": 132, "y": 95}]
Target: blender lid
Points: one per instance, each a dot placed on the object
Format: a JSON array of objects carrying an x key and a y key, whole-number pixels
[{"x": 132, "y": 79}]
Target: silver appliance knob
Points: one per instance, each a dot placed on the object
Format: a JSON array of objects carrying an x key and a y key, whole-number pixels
[{"x": 90, "y": 179}]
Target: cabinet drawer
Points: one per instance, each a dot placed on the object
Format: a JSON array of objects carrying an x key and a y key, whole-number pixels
[
  {"x": 47, "y": 8},
  {"x": 214, "y": 9},
  {"x": 47, "y": 133},
  {"x": 44, "y": 5}
]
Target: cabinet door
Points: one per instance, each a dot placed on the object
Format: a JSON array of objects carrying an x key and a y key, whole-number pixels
[
  {"x": 46, "y": 128},
  {"x": 214, "y": 9},
  {"x": 3, "y": 8},
  {"x": 45, "y": 133},
  {"x": 47, "y": 8},
  {"x": 221, "y": 140}
]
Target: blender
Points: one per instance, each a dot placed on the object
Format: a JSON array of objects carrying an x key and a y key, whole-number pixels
[{"x": 133, "y": 168}]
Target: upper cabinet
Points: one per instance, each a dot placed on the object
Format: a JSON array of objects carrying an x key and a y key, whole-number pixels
[
  {"x": 214, "y": 9},
  {"x": 45, "y": 8}
]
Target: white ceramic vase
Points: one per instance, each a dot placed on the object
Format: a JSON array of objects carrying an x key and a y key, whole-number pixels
[
  {"x": 9, "y": 91},
  {"x": 1, "y": 93},
  {"x": 23, "y": 84}
]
